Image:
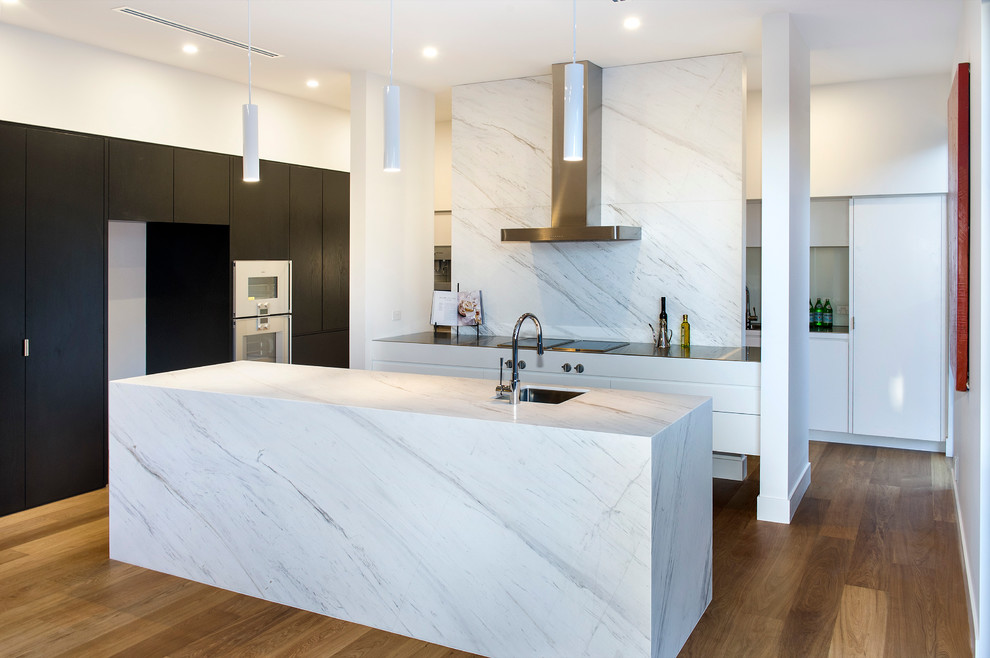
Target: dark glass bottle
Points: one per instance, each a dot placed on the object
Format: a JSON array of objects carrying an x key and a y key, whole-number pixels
[
  {"x": 819, "y": 315},
  {"x": 827, "y": 316},
  {"x": 811, "y": 315}
]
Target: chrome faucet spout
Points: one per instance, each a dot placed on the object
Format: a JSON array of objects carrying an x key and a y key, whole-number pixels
[{"x": 515, "y": 350}]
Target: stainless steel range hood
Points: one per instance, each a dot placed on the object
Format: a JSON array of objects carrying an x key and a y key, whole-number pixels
[{"x": 576, "y": 195}]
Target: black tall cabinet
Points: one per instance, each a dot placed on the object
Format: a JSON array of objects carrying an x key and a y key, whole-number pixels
[
  {"x": 65, "y": 391},
  {"x": 12, "y": 361},
  {"x": 259, "y": 213},
  {"x": 319, "y": 245},
  {"x": 53, "y": 247}
]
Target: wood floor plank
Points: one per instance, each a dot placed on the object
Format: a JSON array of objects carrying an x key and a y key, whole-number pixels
[
  {"x": 873, "y": 548},
  {"x": 943, "y": 498},
  {"x": 848, "y": 497},
  {"x": 911, "y": 618},
  {"x": 807, "y": 630},
  {"x": 953, "y": 635},
  {"x": 860, "y": 629},
  {"x": 902, "y": 468},
  {"x": 325, "y": 638}
]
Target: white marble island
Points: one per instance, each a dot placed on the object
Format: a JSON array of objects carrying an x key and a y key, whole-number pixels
[{"x": 420, "y": 505}]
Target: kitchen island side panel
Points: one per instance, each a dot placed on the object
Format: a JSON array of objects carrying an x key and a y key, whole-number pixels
[{"x": 497, "y": 538}]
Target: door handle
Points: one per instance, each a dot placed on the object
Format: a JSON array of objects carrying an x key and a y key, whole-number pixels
[{"x": 27, "y": 347}]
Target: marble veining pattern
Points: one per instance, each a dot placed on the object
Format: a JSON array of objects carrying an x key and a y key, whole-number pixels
[
  {"x": 493, "y": 536},
  {"x": 672, "y": 163}
]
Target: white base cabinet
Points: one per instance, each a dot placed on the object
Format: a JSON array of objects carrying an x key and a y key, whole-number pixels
[
  {"x": 734, "y": 386},
  {"x": 828, "y": 408}
]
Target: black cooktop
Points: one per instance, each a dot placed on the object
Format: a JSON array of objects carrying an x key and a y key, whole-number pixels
[
  {"x": 569, "y": 345},
  {"x": 590, "y": 346}
]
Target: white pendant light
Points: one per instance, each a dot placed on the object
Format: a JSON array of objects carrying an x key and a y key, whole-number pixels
[
  {"x": 391, "y": 107},
  {"x": 252, "y": 168},
  {"x": 574, "y": 103}
]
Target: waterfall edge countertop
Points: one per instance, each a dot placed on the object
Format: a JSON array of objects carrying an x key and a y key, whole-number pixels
[
  {"x": 421, "y": 506},
  {"x": 704, "y": 352},
  {"x": 631, "y": 413}
]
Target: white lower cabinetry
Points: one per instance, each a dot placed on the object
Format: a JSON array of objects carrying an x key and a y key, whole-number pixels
[
  {"x": 734, "y": 386},
  {"x": 828, "y": 408}
]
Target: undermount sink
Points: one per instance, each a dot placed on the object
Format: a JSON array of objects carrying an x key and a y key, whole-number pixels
[{"x": 547, "y": 395}]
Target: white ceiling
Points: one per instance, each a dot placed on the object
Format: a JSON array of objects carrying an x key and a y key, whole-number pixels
[{"x": 482, "y": 40}]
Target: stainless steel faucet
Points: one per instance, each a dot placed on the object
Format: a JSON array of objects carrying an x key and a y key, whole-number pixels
[{"x": 515, "y": 350}]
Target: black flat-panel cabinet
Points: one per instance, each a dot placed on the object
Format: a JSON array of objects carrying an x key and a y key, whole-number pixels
[
  {"x": 188, "y": 316},
  {"x": 328, "y": 348},
  {"x": 306, "y": 249},
  {"x": 140, "y": 181},
  {"x": 65, "y": 379},
  {"x": 202, "y": 187},
  {"x": 259, "y": 213},
  {"x": 336, "y": 250},
  {"x": 12, "y": 361}
]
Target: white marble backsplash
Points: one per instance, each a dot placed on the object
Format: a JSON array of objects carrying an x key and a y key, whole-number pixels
[{"x": 672, "y": 163}]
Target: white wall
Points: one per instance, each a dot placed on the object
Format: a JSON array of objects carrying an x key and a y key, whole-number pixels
[
  {"x": 868, "y": 138},
  {"x": 391, "y": 218},
  {"x": 442, "y": 170},
  {"x": 969, "y": 422},
  {"x": 126, "y": 299},
  {"x": 48, "y": 81}
]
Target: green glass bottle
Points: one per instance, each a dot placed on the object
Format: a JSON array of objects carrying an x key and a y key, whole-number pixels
[
  {"x": 811, "y": 315},
  {"x": 819, "y": 315},
  {"x": 827, "y": 316}
]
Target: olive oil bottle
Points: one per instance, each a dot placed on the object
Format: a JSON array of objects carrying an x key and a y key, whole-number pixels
[{"x": 685, "y": 332}]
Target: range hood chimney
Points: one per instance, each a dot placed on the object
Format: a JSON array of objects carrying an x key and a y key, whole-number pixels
[{"x": 576, "y": 198}]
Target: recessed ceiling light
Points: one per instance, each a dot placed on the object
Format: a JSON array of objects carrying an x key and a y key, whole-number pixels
[
  {"x": 190, "y": 49},
  {"x": 430, "y": 52},
  {"x": 9, "y": 2},
  {"x": 631, "y": 23},
  {"x": 312, "y": 84}
]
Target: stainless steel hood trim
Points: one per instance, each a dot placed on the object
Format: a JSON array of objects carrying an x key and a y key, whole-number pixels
[
  {"x": 572, "y": 234},
  {"x": 576, "y": 187}
]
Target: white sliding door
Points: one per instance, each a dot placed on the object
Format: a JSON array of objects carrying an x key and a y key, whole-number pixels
[{"x": 898, "y": 305}]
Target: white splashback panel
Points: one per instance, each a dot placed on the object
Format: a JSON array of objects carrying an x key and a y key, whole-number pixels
[{"x": 672, "y": 163}]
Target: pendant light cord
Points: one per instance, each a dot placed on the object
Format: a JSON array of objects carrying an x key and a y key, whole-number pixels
[
  {"x": 574, "y": 50},
  {"x": 249, "y": 52},
  {"x": 391, "y": 50}
]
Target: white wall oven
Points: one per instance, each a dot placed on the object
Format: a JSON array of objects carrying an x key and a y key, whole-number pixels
[{"x": 263, "y": 310}]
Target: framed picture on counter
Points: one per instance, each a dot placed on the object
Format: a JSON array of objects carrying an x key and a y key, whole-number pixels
[{"x": 457, "y": 309}]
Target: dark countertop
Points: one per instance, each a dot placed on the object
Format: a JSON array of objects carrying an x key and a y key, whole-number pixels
[{"x": 468, "y": 339}]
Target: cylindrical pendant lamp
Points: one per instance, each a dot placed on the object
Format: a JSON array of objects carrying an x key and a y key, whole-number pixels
[
  {"x": 252, "y": 171},
  {"x": 391, "y": 128},
  {"x": 574, "y": 111}
]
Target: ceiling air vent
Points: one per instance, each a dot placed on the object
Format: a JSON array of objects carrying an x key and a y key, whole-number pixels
[{"x": 191, "y": 30}]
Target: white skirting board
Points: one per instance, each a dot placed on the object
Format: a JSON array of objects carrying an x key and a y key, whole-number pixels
[
  {"x": 876, "y": 441},
  {"x": 728, "y": 466}
]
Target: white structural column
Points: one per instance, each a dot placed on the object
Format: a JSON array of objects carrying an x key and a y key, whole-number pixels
[
  {"x": 391, "y": 218},
  {"x": 784, "y": 468}
]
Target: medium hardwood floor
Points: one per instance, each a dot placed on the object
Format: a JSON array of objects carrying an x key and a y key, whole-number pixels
[{"x": 869, "y": 567}]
